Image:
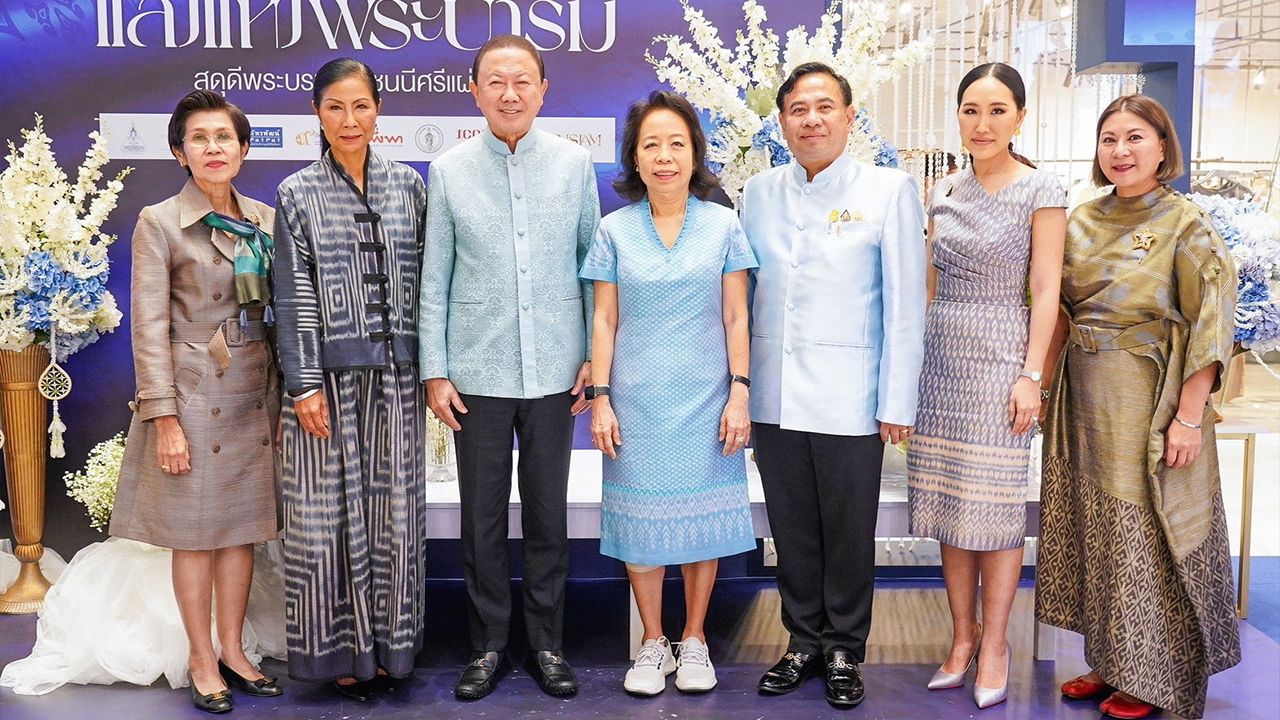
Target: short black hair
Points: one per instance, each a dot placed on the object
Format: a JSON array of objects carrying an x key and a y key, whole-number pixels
[
  {"x": 810, "y": 68},
  {"x": 200, "y": 101},
  {"x": 629, "y": 184},
  {"x": 500, "y": 42}
]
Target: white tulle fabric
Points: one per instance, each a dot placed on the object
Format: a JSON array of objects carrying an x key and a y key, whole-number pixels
[{"x": 112, "y": 617}]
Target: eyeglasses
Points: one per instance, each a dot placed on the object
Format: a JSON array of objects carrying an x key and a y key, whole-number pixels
[{"x": 224, "y": 139}]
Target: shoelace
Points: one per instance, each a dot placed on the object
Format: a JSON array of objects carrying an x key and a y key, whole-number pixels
[
  {"x": 694, "y": 655},
  {"x": 650, "y": 656}
]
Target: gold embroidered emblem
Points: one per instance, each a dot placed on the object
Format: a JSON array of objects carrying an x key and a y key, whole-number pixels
[{"x": 1142, "y": 238}]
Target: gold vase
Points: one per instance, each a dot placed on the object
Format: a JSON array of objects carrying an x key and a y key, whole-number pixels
[{"x": 25, "y": 415}]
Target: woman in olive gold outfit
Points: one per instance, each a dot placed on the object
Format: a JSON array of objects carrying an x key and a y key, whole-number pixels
[{"x": 1133, "y": 548}]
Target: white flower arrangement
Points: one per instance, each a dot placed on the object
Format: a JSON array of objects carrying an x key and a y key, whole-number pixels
[
  {"x": 53, "y": 253},
  {"x": 1254, "y": 239},
  {"x": 95, "y": 484},
  {"x": 737, "y": 88}
]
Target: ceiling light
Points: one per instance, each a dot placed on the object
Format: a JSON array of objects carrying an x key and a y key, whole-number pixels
[
  {"x": 1064, "y": 11},
  {"x": 1260, "y": 79},
  {"x": 905, "y": 8}
]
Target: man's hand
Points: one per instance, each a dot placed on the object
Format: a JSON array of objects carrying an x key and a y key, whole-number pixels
[
  {"x": 584, "y": 379},
  {"x": 895, "y": 434},
  {"x": 443, "y": 399}
]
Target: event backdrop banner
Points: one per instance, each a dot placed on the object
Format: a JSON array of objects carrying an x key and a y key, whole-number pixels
[{"x": 122, "y": 65}]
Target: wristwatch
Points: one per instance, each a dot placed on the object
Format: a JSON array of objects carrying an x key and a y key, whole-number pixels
[
  {"x": 1033, "y": 374},
  {"x": 594, "y": 391},
  {"x": 742, "y": 379}
]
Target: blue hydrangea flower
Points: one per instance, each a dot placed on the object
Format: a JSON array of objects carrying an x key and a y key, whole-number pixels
[
  {"x": 37, "y": 307},
  {"x": 44, "y": 275}
]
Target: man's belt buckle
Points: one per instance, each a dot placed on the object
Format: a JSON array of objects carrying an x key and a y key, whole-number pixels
[
  {"x": 1088, "y": 342},
  {"x": 232, "y": 332}
]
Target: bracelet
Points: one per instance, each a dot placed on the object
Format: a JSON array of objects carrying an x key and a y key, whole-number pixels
[
  {"x": 594, "y": 391},
  {"x": 1185, "y": 424},
  {"x": 740, "y": 379}
]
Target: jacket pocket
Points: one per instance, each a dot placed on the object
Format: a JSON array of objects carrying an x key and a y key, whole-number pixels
[{"x": 851, "y": 346}]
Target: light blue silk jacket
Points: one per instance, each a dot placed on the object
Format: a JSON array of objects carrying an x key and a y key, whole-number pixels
[
  {"x": 837, "y": 333},
  {"x": 503, "y": 313}
]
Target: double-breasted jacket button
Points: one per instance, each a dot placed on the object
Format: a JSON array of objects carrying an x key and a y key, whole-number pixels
[
  {"x": 219, "y": 372},
  {"x": 217, "y": 260},
  {"x": 260, "y": 404},
  {"x": 217, "y": 296},
  {"x": 216, "y": 412},
  {"x": 266, "y": 442},
  {"x": 217, "y": 448}
]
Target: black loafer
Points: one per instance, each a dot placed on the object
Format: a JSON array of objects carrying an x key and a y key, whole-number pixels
[
  {"x": 216, "y": 703},
  {"x": 262, "y": 687},
  {"x": 359, "y": 691},
  {"x": 789, "y": 673},
  {"x": 481, "y": 676},
  {"x": 552, "y": 672},
  {"x": 844, "y": 680}
]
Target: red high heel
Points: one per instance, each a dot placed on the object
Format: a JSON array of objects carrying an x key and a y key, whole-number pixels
[{"x": 1082, "y": 689}]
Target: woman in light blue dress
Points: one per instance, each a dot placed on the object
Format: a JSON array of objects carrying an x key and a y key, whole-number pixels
[{"x": 669, "y": 366}]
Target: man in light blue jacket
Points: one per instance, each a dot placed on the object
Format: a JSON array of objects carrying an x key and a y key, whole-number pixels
[
  {"x": 503, "y": 347},
  {"x": 836, "y": 349}
]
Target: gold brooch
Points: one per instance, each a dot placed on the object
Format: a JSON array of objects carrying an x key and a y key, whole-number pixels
[{"x": 1142, "y": 238}]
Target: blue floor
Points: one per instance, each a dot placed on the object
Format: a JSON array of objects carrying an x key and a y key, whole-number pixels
[{"x": 595, "y": 641}]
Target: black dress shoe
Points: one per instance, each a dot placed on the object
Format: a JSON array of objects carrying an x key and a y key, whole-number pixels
[
  {"x": 844, "y": 680},
  {"x": 789, "y": 673},
  {"x": 262, "y": 687},
  {"x": 552, "y": 672},
  {"x": 217, "y": 702},
  {"x": 481, "y": 676},
  {"x": 359, "y": 691}
]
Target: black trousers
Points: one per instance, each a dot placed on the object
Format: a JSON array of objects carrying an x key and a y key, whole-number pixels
[
  {"x": 545, "y": 430},
  {"x": 822, "y": 493}
]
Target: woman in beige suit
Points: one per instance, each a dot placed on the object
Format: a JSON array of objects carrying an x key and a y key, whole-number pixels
[{"x": 198, "y": 472}]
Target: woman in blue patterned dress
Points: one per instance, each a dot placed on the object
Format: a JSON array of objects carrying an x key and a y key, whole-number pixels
[
  {"x": 669, "y": 362},
  {"x": 349, "y": 231},
  {"x": 995, "y": 231}
]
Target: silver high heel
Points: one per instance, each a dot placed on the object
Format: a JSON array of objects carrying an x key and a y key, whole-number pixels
[
  {"x": 986, "y": 697},
  {"x": 942, "y": 680}
]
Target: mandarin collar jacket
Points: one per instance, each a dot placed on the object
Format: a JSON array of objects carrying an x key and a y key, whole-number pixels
[
  {"x": 837, "y": 335},
  {"x": 503, "y": 312}
]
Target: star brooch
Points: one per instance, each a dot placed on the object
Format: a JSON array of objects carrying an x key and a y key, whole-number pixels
[{"x": 1142, "y": 238}]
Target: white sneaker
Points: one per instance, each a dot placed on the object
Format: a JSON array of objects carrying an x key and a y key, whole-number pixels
[
  {"x": 654, "y": 662},
  {"x": 695, "y": 673}
]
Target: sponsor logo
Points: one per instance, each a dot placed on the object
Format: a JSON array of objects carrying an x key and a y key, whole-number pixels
[
  {"x": 267, "y": 137},
  {"x": 466, "y": 133},
  {"x": 584, "y": 139},
  {"x": 133, "y": 141},
  {"x": 429, "y": 139},
  {"x": 307, "y": 137}
]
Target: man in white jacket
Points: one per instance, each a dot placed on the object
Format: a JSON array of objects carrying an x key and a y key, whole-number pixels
[{"x": 836, "y": 349}]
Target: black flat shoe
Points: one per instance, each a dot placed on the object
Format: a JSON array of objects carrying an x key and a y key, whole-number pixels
[
  {"x": 844, "y": 680},
  {"x": 216, "y": 702},
  {"x": 552, "y": 672},
  {"x": 481, "y": 676},
  {"x": 789, "y": 673},
  {"x": 262, "y": 687},
  {"x": 359, "y": 691}
]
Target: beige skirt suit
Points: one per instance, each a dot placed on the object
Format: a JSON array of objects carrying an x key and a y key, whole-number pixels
[{"x": 183, "y": 310}]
